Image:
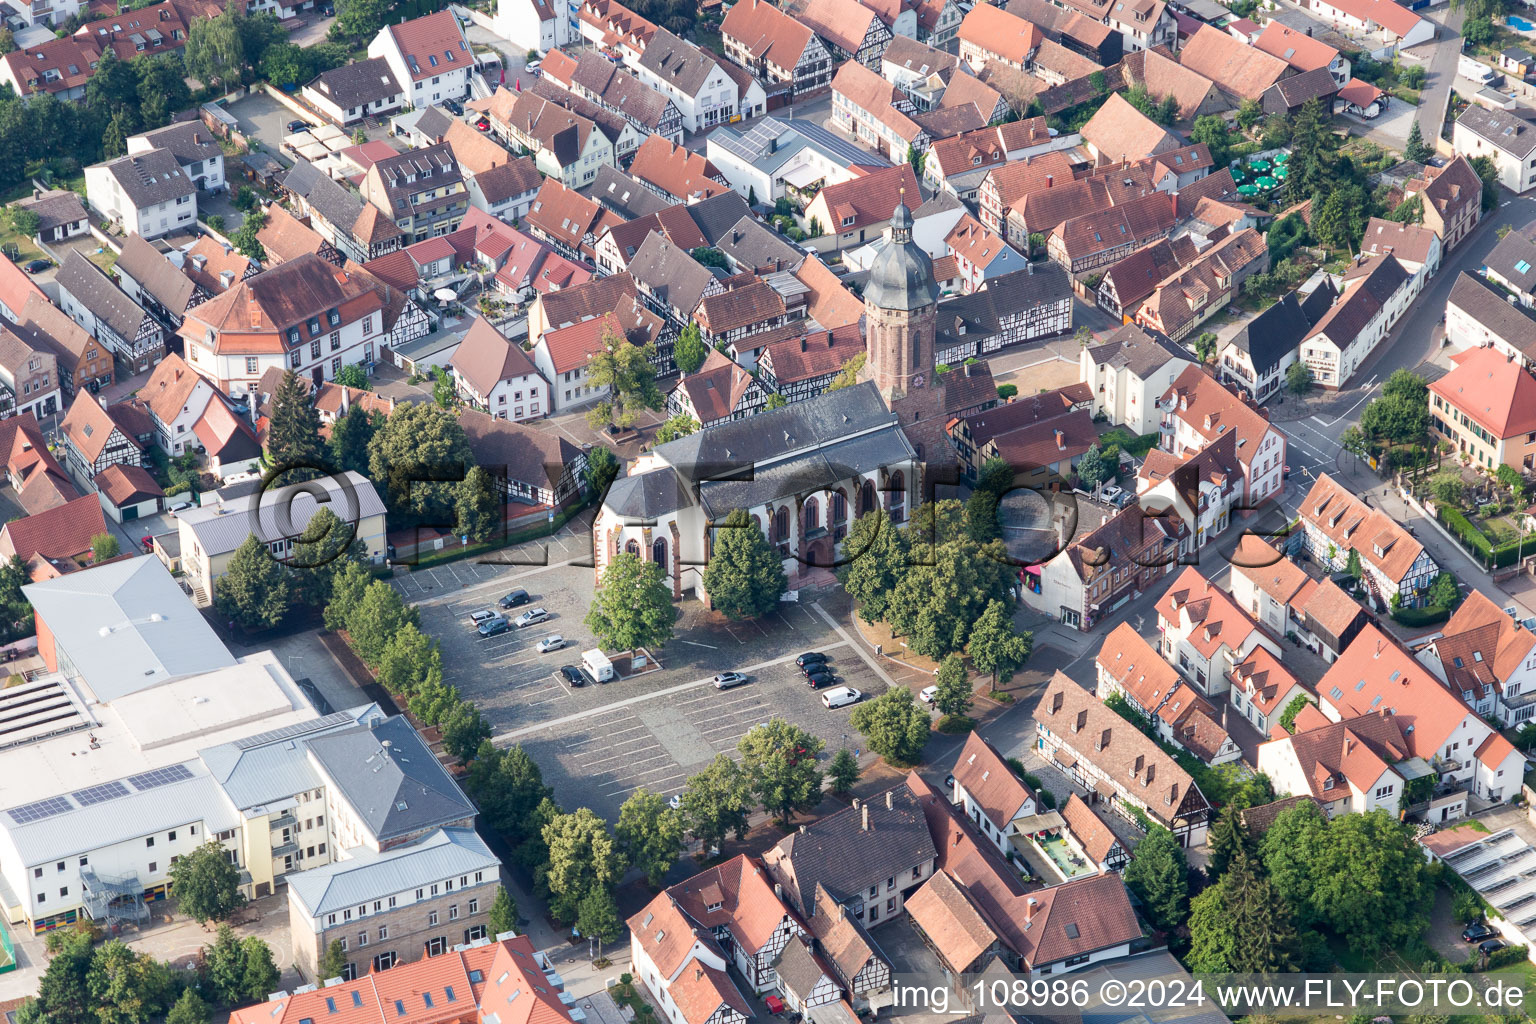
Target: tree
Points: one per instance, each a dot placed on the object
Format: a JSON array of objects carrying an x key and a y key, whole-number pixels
[
  {"x": 261, "y": 972},
  {"x": 843, "y": 772},
  {"x": 689, "y": 350},
  {"x": 1092, "y": 470},
  {"x": 206, "y": 884},
  {"x": 895, "y": 725},
  {"x": 347, "y": 588},
  {"x": 360, "y": 19},
  {"x": 780, "y": 760},
  {"x": 1443, "y": 592},
  {"x": 1212, "y": 943},
  {"x": 1339, "y": 220},
  {"x": 62, "y": 993},
  {"x": 996, "y": 646},
  {"x": 1352, "y": 564},
  {"x": 1298, "y": 378},
  {"x": 1488, "y": 171},
  {"x": 255, "y": 589},
  {"x": 114, "y": 141},
  {"x": 508, "y": 787},
  {"x": 464, "y": 729},
  {"x": 1205, "y": 346},
  {"x": 422, "y": 454},
  {"x": 190, "y": 1008},
  {"x": 1159, "y": 876},
  {"x": 103, "y": 547},
  {"x": 1261, "y": 921},
  {"x": 334, "y": 963},
  {"x": 1447, "y": 488},
  {"x": 1296, "y": 835},
  {"x": 775, "y": 401},
  {"x": 294, "y": 448},
  {"x": 632, "y": 607},
  {"x": 215, "y": 51},
  {"x": 602, "y": 467},
  {"x": 876, "y": 554},
  {"x": 953, "y": 694},
  {"x": 1212, "y": 130},
  {"x": 1416, "y": 150},
  {"x": 848, "y": 376},
  {"x": 626, "y": 371},
  {"x": 350, "y": 435},
  {"x": 716, "y": 801},
  {"x": 1311, "y": 152},
  {"x": 503, "y": 913},
  {"x": 354, "y": 375},
  {"x": 127, "y": 987},
  {"x": 598, "y": 917},
  {"x": 583, "y": 858},
  {"x": 745, "y": 576},
  {"x": 1508, "y": 477},
  {"x": 479, "y": 510},
  {"x": 1228, "y": 839},
  {"x": 650, "y": 833},
  {"x": 677, "y": 426},
  {"x": 224, "y": 967},
  {"x": 444, "y": 391},
  {"x": 245, "y": 238},
  {"x": 285, "y": 65},
  {"x": 378, "y": 617},
  {"x": 318, "y": 554},
  {"x": 1401, "y": 413},
  {"x": 16, "y": 618},
  {"x": 1249, "y": 114}
]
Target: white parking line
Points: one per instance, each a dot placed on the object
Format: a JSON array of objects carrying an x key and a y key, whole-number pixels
[{"x": 695, "y": 643}]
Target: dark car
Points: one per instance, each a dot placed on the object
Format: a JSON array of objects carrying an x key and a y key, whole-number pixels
[
  {"x": 811, "y": 658},
  {"x": 572, "y": 675},
  {"x": 297, "y": 126},
  {"x": 1478, "y": 932},
  {"x": 1491, "y": 946},
  {"x": 455, "y": 106},
  {"x": 815, "y": 666},
  {"x": 820, "y": 679},
  {"x": 514, "y": 599},
  {"x": 494, "y": 626},
  {"x": 38, "y": 266}
]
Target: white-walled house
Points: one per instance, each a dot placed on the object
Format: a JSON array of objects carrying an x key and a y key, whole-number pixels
[
  {"x": 1197, "y": 410},
  {"x": 1488, "y": 658},
  {"x": 1205, "y": 633},
  {"x": 429, "y": 57},
  {"x": 989, "y": 793},
  {"x": 147, "y": 193},
  {"x": 694, "y": 81},
  {"x": 496, "y": 376},
  {"x": 1357, "y": 323},
  {"x": 194, "y": 146},
  {"x": 1347, "y": 766},
  {"x": 1128, "y": 373},
  {"x": 540, "y": 25},
  {"x": 1335, "y": 522}
]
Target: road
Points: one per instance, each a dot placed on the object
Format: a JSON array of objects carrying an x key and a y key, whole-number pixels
[{"x": 1440, "y": 74}]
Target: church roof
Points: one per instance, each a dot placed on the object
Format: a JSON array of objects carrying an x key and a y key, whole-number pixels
[{"x": 901, "y": 273}]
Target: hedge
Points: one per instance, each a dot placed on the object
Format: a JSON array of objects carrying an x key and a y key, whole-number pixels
[
  {"x": 1413, "y": 617},
  {"x": 1506, "y": 956},
  {"x": 1492, "y": 557}
]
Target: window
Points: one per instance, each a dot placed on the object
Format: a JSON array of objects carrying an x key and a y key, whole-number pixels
[
  {"x": 431, "y": 919},
  {"x": 383, "y": 932},
  {"x": 335, "y": 340},
  {"x": 154, "y": 866},
  {"x": 250, "y": 364},
  {"x": 63, "y": 890},
  {"x": 149, "y": 840},
  {"x": 37, "y": 872},
  {"x": 474, "y": 906},
  {"x": 170, "y": 836},
  {"x": 453, "y": 912},
  {"x": 436, "y": 947},
  {"x": 314, "y": 350}
]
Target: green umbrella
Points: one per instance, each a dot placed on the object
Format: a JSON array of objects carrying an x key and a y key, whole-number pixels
[
  {"x": 1259, "y": 165},
  {"x": 1282, "y": 158},
  {"x": 1267, "y": 182},
  {"x": 1282, "y": 171},
  {"x": 1247, "y": 190}
]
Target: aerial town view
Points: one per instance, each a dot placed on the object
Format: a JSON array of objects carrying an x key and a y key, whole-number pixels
[{"x": 700, "y": 511}]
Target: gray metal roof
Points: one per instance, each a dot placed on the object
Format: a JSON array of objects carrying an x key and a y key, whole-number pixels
[
  {"x": 366, "y": 876},
  {"x": 281, "y": 513},
  {"x": 771, "y": 143},
  {"x": 390, "y": 778},
  {"x": 275, "y": 765},
  {"x": 127, "y": 626},
  {"x": 648, "y": 495},
  {"x": 134, "y": 813}
]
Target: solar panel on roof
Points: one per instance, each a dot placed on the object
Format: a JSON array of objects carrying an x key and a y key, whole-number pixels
[
  {"x": 289, "y": 731},
  {"x": 160, "y": 777},
  {"x": 38, "y": 811},
  {"x": 100, "y": 794}
]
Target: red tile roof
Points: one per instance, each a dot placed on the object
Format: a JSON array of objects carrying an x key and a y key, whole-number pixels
[
  {"x": 1406, "y": 688},
  {"x": 30, "y": 66},
  {"x": 766, "y": 33},
  {"x": 994, "y": 788},
  {"x": 1208, "y": 612},
  {"x": 432, "y": 44},
  {"x": 125, "y": 485},
  {"x": 996, "y": 31},
  {"x": 1495, "y": 392},
  {"x": 62, "y": 533},
  {"x": 868, "y": 200},
  {"x": 1348, "y": 523},
  {"x": 1136, "y": 667},
  {"x": 1297, "y": 49},
  {"x": 1240, "y": 69},
  {"x": 1210, "y": 410},
  {"x": 680, "y": 173}
]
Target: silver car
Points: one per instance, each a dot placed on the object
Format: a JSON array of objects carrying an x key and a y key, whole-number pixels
[
  {"x": 530, "y": 617},
  {"x": 726, "y": 680}
]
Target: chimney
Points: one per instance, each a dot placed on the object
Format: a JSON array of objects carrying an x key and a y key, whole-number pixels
[
  {"x": 802, "y": 344},
  {"x": 1050, "y": 180},
  {"x": 865, "y": 811},
  {"x": 199, "y": 261},
  {"x": 1061, "y": 441},
  {"x": 778, "y": 889},
  {"x": 1030, "y": 908},
  {"x": 889, "y": 800}
]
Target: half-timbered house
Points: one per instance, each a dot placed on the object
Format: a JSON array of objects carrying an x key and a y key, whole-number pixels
[
  {"x": 1026, "y": 305},
  {"x": 92, "y": 441},
  {"x": 799, "y": 368},
  {"x": 103, "y": 309}
]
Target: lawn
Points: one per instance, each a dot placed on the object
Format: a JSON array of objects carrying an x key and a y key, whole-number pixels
[{"x": 26, "y": 248}]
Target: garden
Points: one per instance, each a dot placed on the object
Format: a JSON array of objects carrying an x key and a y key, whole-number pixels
[{"x": 1486, "y": 511}]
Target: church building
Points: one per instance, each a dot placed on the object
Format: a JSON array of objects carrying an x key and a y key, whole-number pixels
[{"x": 802, "y": 472}]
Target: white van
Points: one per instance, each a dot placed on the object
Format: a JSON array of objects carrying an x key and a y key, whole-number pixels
[
  {"x": 841, "y": 697},
  {"x": 1475, "y": 71}
]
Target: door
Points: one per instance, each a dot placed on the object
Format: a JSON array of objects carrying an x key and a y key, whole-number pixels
[{"x": 130, "y": 513}]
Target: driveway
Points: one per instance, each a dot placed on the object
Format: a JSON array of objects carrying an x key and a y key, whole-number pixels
[{"x": 263, "y": 118}]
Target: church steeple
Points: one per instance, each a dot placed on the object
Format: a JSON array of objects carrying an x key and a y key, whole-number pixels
[{"x": 901, "y": 299}]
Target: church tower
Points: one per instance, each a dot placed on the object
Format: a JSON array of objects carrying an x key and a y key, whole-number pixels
[{"x": 901, "y": 302}]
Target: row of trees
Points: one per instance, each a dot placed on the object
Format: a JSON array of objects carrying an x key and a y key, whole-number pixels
[{"x": 114, "y": 984}]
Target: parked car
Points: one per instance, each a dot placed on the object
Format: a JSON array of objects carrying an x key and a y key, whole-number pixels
[
  {"x": 1478, "y": 932},
  {"x": 531, "y": 617},
  {"x": 180, "y": 506},
  {"x": 676, "y": 803},
  {"x": 553, "y": 642},
  {"x": 572, "y": 675},
  {"x": 819, "y": 679},
  {"x": 455, "y": 106},
  {"x": 929, "y": 692},
  {"x": 726, "y": 680},
  {"x": 297, "y": 126},
  {"x": 532, "y": 67},
  {"x": 841, "y": 697},
  {"x": 38, "y": 266},
  {"x": 1491, "y": 946},
  {"x": 1111, "y": 494},
  {"x": 494, "y": 626},
  {"x": 811, "y": 658},
  {"x": 814, "y": 666},
  {"x": 515, "y": 598},
  {"x": 483, "y": 124},
  {"x": 481, "y": 615},
  {"x": 148, "y": 542}
]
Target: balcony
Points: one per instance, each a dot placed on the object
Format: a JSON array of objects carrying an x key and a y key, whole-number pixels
[
  {"x": 284, "y": 821},
  {"x": 285, "y": 849}
]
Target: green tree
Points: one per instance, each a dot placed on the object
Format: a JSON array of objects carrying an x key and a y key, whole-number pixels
[
  {"x": 1416, "y": 150},
  {"x": 1508, "y": 477},
  {"x": 25, "y": 222},
  {"x": 422, "y": 454},
  {"x": 1488, "y": 171},
  {"x": 1339, "y": 220},
  {"x": 127, "y": 987},
  {"x": 359, "y": 19},
  {"x": 1298, "y": 378},
  {"x": 597, "y": 917},
  {"x": 1228, "y": 839},
  {"x": 285, "y": 65},
  {"x": 16, "y": 619},
  {"x": 1212, "y": 940},
  {"x": 1443, "y": 592},
  {"x": 876, "y": 559},
  {"x": 1352, "y": 564},
  {"x": 1366, "y": 862},
  {"x": 996, "y": 646},
  {"x": 444, "y": 391},
  {"x": 245, "y": 238},
  {"x": 650, "y": 833},
  {"x": 981, "y": 522},
  {"x": 206, "y": 884},
  {"x": 113, "y": 87},
  {"x": 780, "y": 760},
  {"x": 775, "y": 402},
  {"x": 1092, "y": 469},
  {"x": 464, "y": 729},
  {"x": 294, "y": 448},
  {"x": 584, "y": 857},
  {"x": 103, "y": 547},
  {"x": 1447, "y": 488},
  {"x": 745, "y": 576},
  {"x": 716, "y": 802},
  {"x": 479, "y": 508},
  {"x": 1159, "y": 876},
  {"x": 689, "y": 350},
  {"x": 848, "y": 376},
  {"x": 503, "y": 913},
  {"x": 350, "y": 435},
  {"x": 1297, "y": 834},
  {"x": 1249, "y": 114},
  {"x": 114, "y": 143},
  {"x": 675, "y": 427},
  {"x": 895, "y": 725},
  {"x": 632, "y": 607},
  {"x": 626, "y": 371},
  {"x": 354, "y": 375},
  {"x": 347, "y": 588},
  {"x": 1479, "y": 30},
  {"x": 508, "y": 787},
  {"x": 1212, "y": 130},
  {"x": 319, "y": 554},
  {"x": 63, "y": 992},
  {"x": 1311, "y": 152},
  {"x": 379, "y": 616},
  {"x": 1261, "y": 922},
  {"x": 995, "y": 476},
  {"x": 261, "y": 972},
  {"x": 602, "y": 468},
  {"x": 843, "y": 772},
  {"x": 334, "y": 963},
  {"x": 224, "y": 968},
  {"x": 953, "y": 694},
  {"x": 433, "y": 701},
  {"x": 255, "y": 589},
  {"x": 162, "y": 88},
  {"x": 215, "y": 51},
  {"x": 190, "y": 1008}
]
